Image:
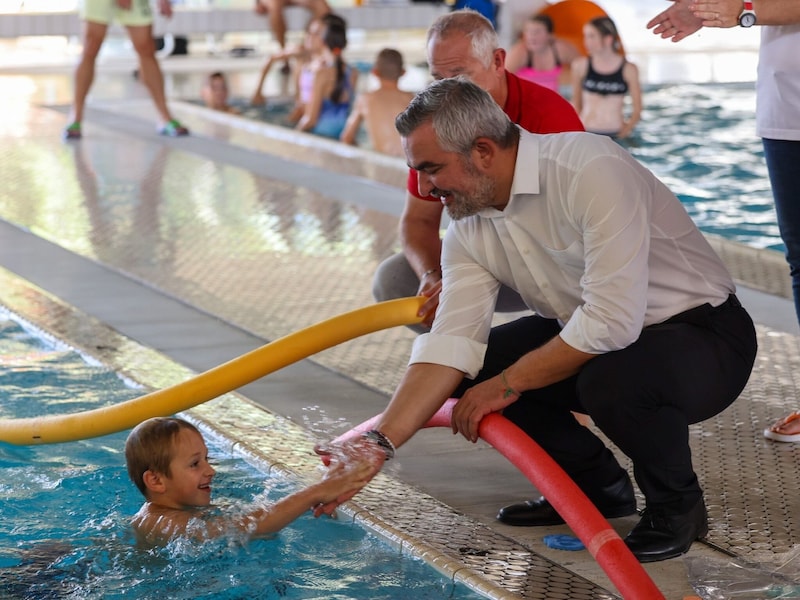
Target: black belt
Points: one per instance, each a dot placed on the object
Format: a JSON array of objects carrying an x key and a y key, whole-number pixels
[{"x": 699, "y": 314}]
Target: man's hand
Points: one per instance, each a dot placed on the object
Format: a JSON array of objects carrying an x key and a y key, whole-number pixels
[
  {"x": 677, "y": 22},
  {"x": 478, "y": 401},
  {"x": 353, "y": 451}
]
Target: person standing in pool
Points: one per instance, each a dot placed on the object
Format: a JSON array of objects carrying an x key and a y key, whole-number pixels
[
  {"x": 463, "y": 42},
  {"x": 215, "y": 93},
  {"x": 325, "y": 84},
  {"x": 167, "y": 460},
  {"x": 777, "y": 114},
  {"x": 540, "y": 56},
  {"x": 137, "y": 18},
  {"x": 378, "y": 108},
  {"x": 277, "y": 20},
  {"x": 602, "y": 80}
]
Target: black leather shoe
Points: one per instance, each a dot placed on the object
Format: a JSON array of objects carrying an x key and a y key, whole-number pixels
[
  {"x": 614, "y": 500},
  {"x": 660, "y": 535}
]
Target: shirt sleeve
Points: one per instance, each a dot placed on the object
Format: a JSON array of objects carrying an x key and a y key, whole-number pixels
[
  {"x": 610, "y": 203},
  {"x": 464, "y": 318}
]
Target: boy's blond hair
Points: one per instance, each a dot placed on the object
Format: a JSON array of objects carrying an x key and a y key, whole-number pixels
[{"x": 150, "y": 445}]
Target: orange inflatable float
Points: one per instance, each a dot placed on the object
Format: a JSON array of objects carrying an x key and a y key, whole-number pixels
[{"x": 569, "y": 17}]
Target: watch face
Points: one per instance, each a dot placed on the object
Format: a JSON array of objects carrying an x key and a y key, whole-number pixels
[{"x": 747, "y": 20}]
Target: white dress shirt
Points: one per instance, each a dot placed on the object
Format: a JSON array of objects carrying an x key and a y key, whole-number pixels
[
  {"x": 778, "y": 83},
  {"x": 589, "y": 237}
]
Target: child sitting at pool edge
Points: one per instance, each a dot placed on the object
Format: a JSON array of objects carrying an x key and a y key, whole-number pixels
[
  {"x": 378, "y": 108},
  {"x": 167, "y": 460}
]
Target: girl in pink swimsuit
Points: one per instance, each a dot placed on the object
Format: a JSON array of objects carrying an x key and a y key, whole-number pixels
[{"x": 539, "y": 56}]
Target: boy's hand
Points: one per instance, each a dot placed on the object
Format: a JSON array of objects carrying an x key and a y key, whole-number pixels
[{"x": 362, "y": 459}]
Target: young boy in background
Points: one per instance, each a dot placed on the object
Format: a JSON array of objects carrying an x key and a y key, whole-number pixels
[{"x": 377, "y": 109}]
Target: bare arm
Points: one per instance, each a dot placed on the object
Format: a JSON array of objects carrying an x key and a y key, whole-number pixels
[
  {"x": 158, "y": 525},
  {"x": 567, "y": 52},
  {"x": 579, "y": 68},
  {"x": 725, "y": 13},
  {"x": 341, "y": 479},
  {"x": 517, "y": 57},
  {"x": 422, "y": 391},
  {"x": 353, "y": 123},
  {"x": 314, "y": 106},
  {"x": 422, "y": 246},
  {"x": 631, "y": 76},
  {"x": 258, "y": 97}
]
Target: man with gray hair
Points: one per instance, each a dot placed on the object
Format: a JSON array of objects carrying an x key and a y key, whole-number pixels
[
  {"x": 635, "y": 319},
  {"x": 463, "y": 42}
]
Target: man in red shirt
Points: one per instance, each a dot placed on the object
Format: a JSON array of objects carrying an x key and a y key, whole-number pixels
[{"x": 464, "y": 43}]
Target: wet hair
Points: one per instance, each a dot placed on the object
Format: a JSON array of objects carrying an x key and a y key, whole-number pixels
[
  {"x": 544, "y": 20},
  {"x": 389, "y": 64},
  {"x": 150, "y": 447},
  {"x": 335, "y": 38},
  {"x": 474, "y": 25},
  {"x": 460, "y": 112},
  {"x": 606, "y": 27}
]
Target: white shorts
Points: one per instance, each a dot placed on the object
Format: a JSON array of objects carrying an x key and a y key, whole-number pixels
[{"x": 106, "y": 11}]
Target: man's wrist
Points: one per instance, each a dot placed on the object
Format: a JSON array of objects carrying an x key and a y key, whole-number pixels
[
  {"x": 747, "y": 17},
  {"x": 429, "y": 272}
]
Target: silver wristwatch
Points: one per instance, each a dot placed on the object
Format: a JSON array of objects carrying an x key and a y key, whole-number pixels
[{"x": 747, "y": 18}]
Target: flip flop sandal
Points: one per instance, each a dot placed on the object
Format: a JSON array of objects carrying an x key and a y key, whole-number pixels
[
  {"x": 784, "y": 437},
  {"x": 73, "y": 131}
]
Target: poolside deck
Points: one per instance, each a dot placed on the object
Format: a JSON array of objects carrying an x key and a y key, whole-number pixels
[{"x": 205, "y": 247}]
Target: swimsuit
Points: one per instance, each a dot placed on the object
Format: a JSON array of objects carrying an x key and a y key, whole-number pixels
[
  {"x": 333, "y": 115},
  {"x": 605, "y": 84},
  {"x": 544, "y": 77}
]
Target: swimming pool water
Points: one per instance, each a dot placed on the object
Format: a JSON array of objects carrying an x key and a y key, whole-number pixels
[
  {"x": 700, "y": 140},
  {"x": 65, "y": 512}
]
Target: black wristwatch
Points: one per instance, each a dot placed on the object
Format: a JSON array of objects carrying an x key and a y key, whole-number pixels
[{"x": 747, "y": 18}]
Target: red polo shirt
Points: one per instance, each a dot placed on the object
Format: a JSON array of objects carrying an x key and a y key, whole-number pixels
[{"x": 532, "y": 107}]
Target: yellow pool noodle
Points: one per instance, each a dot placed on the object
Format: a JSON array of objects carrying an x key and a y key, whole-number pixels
[{"x": 52, "y": 429}]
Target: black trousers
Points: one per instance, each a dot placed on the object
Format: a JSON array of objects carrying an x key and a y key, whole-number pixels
[{"x": 643, "y": 397}]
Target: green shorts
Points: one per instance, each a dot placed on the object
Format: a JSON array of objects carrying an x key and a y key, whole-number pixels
[{"x": 106, "y": 11}]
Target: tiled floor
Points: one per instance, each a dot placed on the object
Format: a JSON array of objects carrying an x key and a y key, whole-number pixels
[{"x": 205, "y": 247}]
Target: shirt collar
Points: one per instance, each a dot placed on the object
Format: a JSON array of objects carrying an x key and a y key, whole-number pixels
[{"x": 526, "y": 170}]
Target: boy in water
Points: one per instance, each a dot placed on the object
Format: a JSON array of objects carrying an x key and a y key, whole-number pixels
[
  {"x": 215, "y": 93},
  {"x": 379, "y": 108},
  {"x": 167, "y": 459}
]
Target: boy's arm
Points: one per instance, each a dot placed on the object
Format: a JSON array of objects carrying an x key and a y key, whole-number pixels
[
  {"x": 350, "y": 130},
  {"x": 340, "y": 481}
]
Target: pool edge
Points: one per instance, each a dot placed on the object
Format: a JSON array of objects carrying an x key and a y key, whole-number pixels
[{"x": 231, "y": 419}]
